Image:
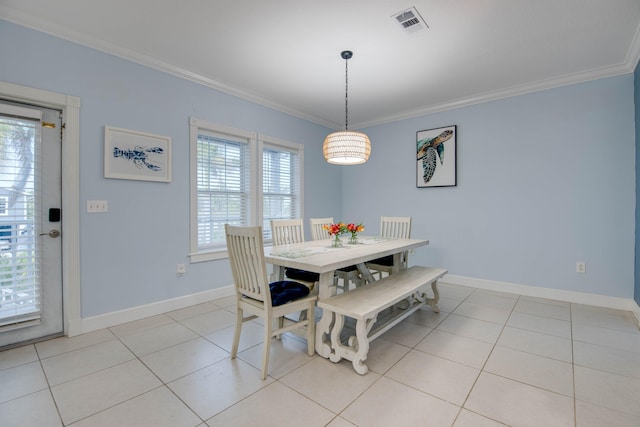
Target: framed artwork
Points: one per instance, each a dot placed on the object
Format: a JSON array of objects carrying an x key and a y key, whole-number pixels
[
  {"x": 136, "y": 155},
  {"x": 436, "y": 157}
]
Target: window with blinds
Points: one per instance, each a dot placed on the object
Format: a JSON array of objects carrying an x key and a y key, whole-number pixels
[
  {"x": 20, "y": 295},
  {"x": 222, "y": 179},
  {"x": 280, "y": 185},
  {"x": 239, "y": 178}
]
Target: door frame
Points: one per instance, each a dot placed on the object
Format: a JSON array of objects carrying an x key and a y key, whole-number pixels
[{"x": 70, "y": 106}]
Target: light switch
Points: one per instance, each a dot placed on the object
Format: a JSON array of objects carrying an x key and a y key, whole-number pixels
[{"x": 97, "y": 206}]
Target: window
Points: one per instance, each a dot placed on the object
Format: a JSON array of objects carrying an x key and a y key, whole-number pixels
[
  {"x": 230, "y": 186},
  {"x": 281, "y": 183}
]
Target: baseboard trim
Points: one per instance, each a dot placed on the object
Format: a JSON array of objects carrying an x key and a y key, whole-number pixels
[
  {"x": 114, "y": 318},
  {"x": 605, "y": 301}
]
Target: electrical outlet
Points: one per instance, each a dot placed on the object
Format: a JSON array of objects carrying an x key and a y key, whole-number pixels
[
  {"x": 181, "y": 270},
  {"x": 581, "y": 267},
  {"x": 97, "y": 206}
]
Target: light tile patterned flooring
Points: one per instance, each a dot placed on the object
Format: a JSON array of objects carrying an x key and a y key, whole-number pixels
[{"x": 488, "y": 359}]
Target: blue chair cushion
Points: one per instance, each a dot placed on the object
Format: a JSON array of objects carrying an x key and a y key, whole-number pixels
[
  {"x": 285, "y": 291},
  {"x": 387, "y": 260},
  {"x": 305, "y": 276},
  {"x": 348, "y": 269}
]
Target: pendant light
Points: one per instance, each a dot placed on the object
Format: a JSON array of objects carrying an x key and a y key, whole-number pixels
[{"x": 346, "y": 147}]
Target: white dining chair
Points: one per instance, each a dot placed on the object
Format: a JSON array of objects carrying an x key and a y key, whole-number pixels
[
  {"x": 344, "y": 276},
  {"x": 259, "y": 298},
  {"x": 393, "y": 227},
  {"x": 286, "y": 232}
]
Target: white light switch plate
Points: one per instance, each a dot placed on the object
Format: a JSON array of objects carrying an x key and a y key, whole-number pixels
[{"x": 97, "y": 206}]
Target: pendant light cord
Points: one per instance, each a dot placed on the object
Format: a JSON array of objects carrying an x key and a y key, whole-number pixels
[{"x": 346, "y": 96}]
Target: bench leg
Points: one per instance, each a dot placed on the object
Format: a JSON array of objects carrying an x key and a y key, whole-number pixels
[
  {"x": 336, "y": 356},
  {"x": 433, "y": 302},
  {"x": 362, "y": 330}
]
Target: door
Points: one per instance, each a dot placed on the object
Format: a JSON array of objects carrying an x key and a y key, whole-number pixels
[{"x": 30, "y": 223}]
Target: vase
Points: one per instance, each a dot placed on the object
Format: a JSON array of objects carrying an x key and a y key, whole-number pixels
[
  {"x": 353, "y": 240},
  {"x": 336, "y": 242}
]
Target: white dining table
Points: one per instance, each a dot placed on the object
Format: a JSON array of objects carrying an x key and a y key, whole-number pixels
[{"x": 319, "y": 257}]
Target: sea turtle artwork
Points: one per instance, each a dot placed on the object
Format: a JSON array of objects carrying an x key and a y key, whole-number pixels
[
  {"x": 140, "y": 156},
  {"x": 428, "y": 149}
]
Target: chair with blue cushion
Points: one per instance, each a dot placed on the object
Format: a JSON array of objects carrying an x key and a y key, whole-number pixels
[
  {"x": 286, "y": 232},
  {"x": 259, "y": 298},
  {"x": 343, "y": 276},
  {"x": 397, "y": 228}
]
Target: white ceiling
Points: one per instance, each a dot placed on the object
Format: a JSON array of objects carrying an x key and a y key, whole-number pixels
[{"x": 286, "y": 54}]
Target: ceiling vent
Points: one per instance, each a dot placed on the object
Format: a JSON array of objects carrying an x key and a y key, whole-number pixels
[{"x": 410, "y": 20}]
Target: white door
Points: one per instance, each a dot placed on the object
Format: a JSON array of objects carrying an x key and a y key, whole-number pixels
[{"x": 30, "y": 223}]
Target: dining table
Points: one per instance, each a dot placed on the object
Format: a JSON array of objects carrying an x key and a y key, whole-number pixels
[{"x": 322, "y": 257}]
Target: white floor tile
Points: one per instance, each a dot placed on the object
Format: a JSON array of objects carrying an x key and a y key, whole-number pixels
[
  {"x": 613, "y": 360},
  {"x": 622, "y": 340},
  {"x": 251, "y": 334},
  {"x": 439, "y": 377},
  {"x": 389, "y": 403},
  {"x": 425, "y": 316},
  {"x": 406, "y": 333},
  {"x": 213, "y": 389},
  {"x": 182, "y": 359},
  {"x": 384, "y": 354},
  {"x": 516, "y": 404},
  {"x": 471, "y": 328},
  {"x": 483, "y": 312},
  {"x": 285, "y": 355},
  {"x": 37, "y": 409},
  {"x": 18, "y": 356},
  {"x": 154, "y": 339},
  {"x": 604, "y": 318},
  {"x": 274, "y": 406},
  {"x": 137, "y": 326},
  {"x": 460, "y": 349},
  {"x": 333, "y": 385},
  {"x": 536, "y": 343},
  {"x": 87, "y": 360},
  {"x": 549, "y": 374},
  {"x": 543, "y": 325},
  {"x": 208, "y": 323},
  {"x": 93, "y": 393},
  {"x": 471, "y": 419},
  {"x": 64, "y": 344},
  {"x": 156, "y": 408},
  {"x": 493, "y": 299},
  {"x": 544, "y": 309},
  {"x": 589, "y": 415},
  {"x": 340, "y": 422},
  {"x": 192, "y": 311},
  {"x": 608, "y": 390},
  {"x": 21, "y": 380}
]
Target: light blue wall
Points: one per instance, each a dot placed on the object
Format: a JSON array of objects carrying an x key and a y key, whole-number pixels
[
  {"x": 637, "y": 111},
  {"x": 544, "y": 180},
  {"x": 129, "y": 255}
]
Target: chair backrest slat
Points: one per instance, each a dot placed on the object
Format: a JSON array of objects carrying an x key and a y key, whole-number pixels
[
  {"x": 317, "y": 232},
  {"x": 248, "y": 265},
  {"x": 397, "y": 227},
  {"x": 287, "y": 231}
]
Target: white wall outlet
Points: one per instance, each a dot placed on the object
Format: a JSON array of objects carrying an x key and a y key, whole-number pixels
[
  {"x": 581, "y": 267},
  {"x": 181, "y": 270},
  {"x": 97, "y": 206}
]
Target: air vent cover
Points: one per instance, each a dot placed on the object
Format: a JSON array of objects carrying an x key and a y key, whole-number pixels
[{"x": 410, "y": 20}]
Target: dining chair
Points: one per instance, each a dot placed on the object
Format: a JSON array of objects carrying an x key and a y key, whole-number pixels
[
  {"x": 393, "y": 227},
  {"x": 286, "y": 232},
  {"x": 344, "y": 276},
  {"x": 259, "y": 298}
]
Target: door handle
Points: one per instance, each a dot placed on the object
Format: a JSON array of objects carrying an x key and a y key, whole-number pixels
[{"x": 52, "y": 233}]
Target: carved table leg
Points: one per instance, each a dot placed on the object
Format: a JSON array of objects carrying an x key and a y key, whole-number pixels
[
  {"x": 436, "y": 297},
  {"x": 326, "y": 289}
]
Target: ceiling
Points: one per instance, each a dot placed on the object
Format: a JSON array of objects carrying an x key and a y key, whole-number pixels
[{"x": 286, "y": 54}]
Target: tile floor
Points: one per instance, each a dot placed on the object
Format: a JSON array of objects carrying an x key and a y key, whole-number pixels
[{"x": 488, "y": 359}]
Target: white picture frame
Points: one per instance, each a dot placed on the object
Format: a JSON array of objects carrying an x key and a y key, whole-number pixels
[{"x": 130, "y": 154}]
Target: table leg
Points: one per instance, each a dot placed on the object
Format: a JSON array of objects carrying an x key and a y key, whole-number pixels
[
  {"x": 366, "y": 273},
  {"x": 326, "y": 289}
]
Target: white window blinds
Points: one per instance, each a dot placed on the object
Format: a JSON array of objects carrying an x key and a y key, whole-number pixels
[
  {"x": 280, "y": 184},
  {"x": 223, "y": 186}
]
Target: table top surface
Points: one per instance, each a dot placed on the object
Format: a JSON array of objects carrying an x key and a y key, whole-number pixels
[{"x": 318, "y": 255}]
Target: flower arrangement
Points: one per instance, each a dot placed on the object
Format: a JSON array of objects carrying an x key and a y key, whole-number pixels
[
  {"x": 354, "y": 230},
  {"x": 341, "y": 228}
]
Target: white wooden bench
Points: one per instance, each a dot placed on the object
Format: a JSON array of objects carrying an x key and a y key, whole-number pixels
[{"x": 364, "y": 304}]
